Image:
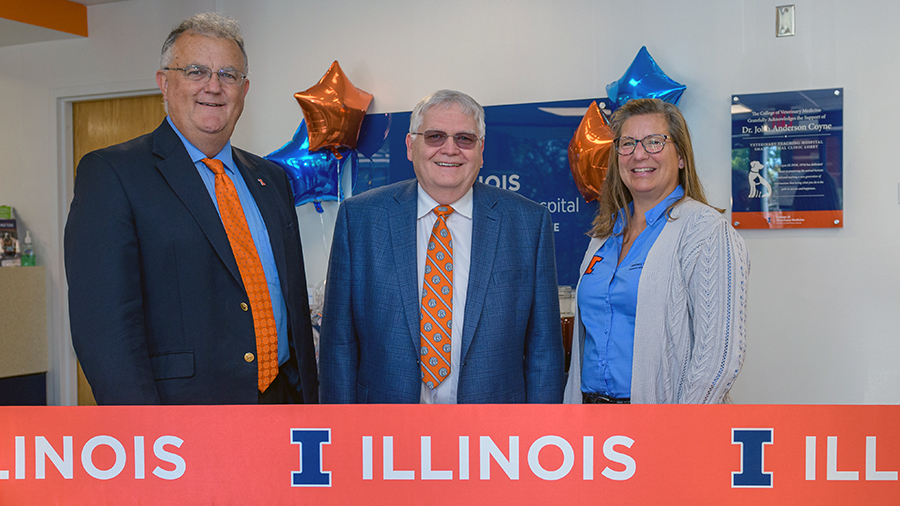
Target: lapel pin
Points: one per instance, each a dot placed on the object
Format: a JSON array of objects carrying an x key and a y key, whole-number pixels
[{"x": 261, "y": 182}]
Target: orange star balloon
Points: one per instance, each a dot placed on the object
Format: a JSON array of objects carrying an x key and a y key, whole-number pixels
[
  {"x": 589, "y": 152},
  {"x": 334, "y": 110}
]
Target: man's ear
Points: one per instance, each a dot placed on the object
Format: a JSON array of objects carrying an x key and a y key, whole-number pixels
[{"x": 163, "y": 83}]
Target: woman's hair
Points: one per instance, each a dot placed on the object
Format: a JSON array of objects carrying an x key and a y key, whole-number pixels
[{"x": 614, "y": 195}]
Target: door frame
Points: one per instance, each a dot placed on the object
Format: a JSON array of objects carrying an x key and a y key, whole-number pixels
[{"x": 62, "y": 375}]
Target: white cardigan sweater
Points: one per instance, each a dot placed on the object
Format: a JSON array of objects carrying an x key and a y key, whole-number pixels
[{"x": 690, "y": 325}]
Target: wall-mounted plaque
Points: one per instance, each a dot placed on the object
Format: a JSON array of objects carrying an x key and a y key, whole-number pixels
[{"x": 787, "y": 159}]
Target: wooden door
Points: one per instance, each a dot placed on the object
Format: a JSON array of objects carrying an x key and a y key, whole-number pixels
[{"x": 100, "y": 123}]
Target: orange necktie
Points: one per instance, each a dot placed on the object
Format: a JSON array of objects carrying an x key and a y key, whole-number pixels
[
  {"x": 252, "y": 273},
  {"x": 437, "y": 302}
]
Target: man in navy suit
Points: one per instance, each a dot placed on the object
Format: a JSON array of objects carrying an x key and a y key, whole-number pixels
[
  {"x": 377, "y": 344},
  {"x": 158, "y": 308}
]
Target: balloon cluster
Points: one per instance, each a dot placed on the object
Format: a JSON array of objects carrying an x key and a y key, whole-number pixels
[
  {"x": 591, "y": 146},
  {"x": 335, "y": 130}
]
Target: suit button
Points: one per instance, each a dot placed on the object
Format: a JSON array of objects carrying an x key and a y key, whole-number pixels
[
  {"x": 248, "y": 357},
  {"x": 245, "y": 307}
]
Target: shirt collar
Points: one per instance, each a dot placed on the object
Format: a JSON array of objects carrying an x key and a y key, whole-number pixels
[
  {"x": 197, "y": 155},
  {"x": 660, "y": 209},
  {"x": 653, "y": 214},
  {"x": 426, "y": 204}
]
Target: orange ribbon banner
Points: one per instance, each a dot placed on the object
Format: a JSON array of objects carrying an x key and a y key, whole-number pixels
[{"x": 499, "y": 454}]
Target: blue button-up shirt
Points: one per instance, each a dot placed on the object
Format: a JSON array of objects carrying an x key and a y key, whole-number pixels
[
  {"x": 607, "y": 303},
  {"x": 257, "y": 229}
]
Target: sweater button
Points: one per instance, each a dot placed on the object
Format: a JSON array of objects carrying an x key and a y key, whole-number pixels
[
  {"x": 244, "y": 306},
  {"x": 248, "y": 357}
]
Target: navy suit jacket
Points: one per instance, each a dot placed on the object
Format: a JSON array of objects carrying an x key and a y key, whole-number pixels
[
  {"x": 155, "y": 295},
  {"x": 511, "y": 340}
]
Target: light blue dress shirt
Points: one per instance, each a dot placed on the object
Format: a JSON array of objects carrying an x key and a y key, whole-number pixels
[
  {"x": 607, "y": 303},
  {"x": 257, "y": 229}
]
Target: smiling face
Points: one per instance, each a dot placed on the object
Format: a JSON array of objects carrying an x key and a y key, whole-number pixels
[
  {"x": 649, "y": 177},
  {"x": 204, "y": 112},
  {"x": 445, "y": 172}
]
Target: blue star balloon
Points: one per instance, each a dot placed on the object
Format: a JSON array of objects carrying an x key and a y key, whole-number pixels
[
  {"x": 315, "y": 176},
  {"x": 644, "y": 79}
]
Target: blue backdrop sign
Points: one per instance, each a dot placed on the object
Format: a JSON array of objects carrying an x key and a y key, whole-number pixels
[{"x": 525, "y": 151}]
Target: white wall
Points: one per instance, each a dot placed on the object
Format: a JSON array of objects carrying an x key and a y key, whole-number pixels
[{"x": 824, "y": 304}]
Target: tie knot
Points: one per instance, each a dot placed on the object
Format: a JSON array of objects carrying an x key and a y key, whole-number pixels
[
  {"x": 443, "y": 211},
  {"x": 214, "y": 165}
]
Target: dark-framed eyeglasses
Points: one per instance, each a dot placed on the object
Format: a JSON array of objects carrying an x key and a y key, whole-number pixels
[
  {"x": 652, "y": 144},
  {"x": 202, "y": 73},
  {"x": 437, "y": 138}
]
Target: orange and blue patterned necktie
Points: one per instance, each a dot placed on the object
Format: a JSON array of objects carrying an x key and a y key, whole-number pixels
[
  {"x": 437, "y": 302},
  {"x": 252, "y": 273}
]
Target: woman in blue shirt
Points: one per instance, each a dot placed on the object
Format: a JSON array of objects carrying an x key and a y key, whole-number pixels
[{"x": 661, "y": 301}]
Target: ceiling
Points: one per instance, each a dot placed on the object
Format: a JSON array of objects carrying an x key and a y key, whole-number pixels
[{"x": 14, "y": 32}]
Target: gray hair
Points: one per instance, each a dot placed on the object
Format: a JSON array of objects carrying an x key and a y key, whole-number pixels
[
  {"x": 446, "y": 98},
  {"x": 210, "y": 24}
]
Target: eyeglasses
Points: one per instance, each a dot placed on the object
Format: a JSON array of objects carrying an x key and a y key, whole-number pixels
[
  {"x": 202, "y": 73},
  {"x": 436, "y": 138},
  {"x": 652, "y": 144}
]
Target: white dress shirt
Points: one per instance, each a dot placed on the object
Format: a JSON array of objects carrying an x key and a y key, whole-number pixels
[{"x": 460, "y": 225}]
